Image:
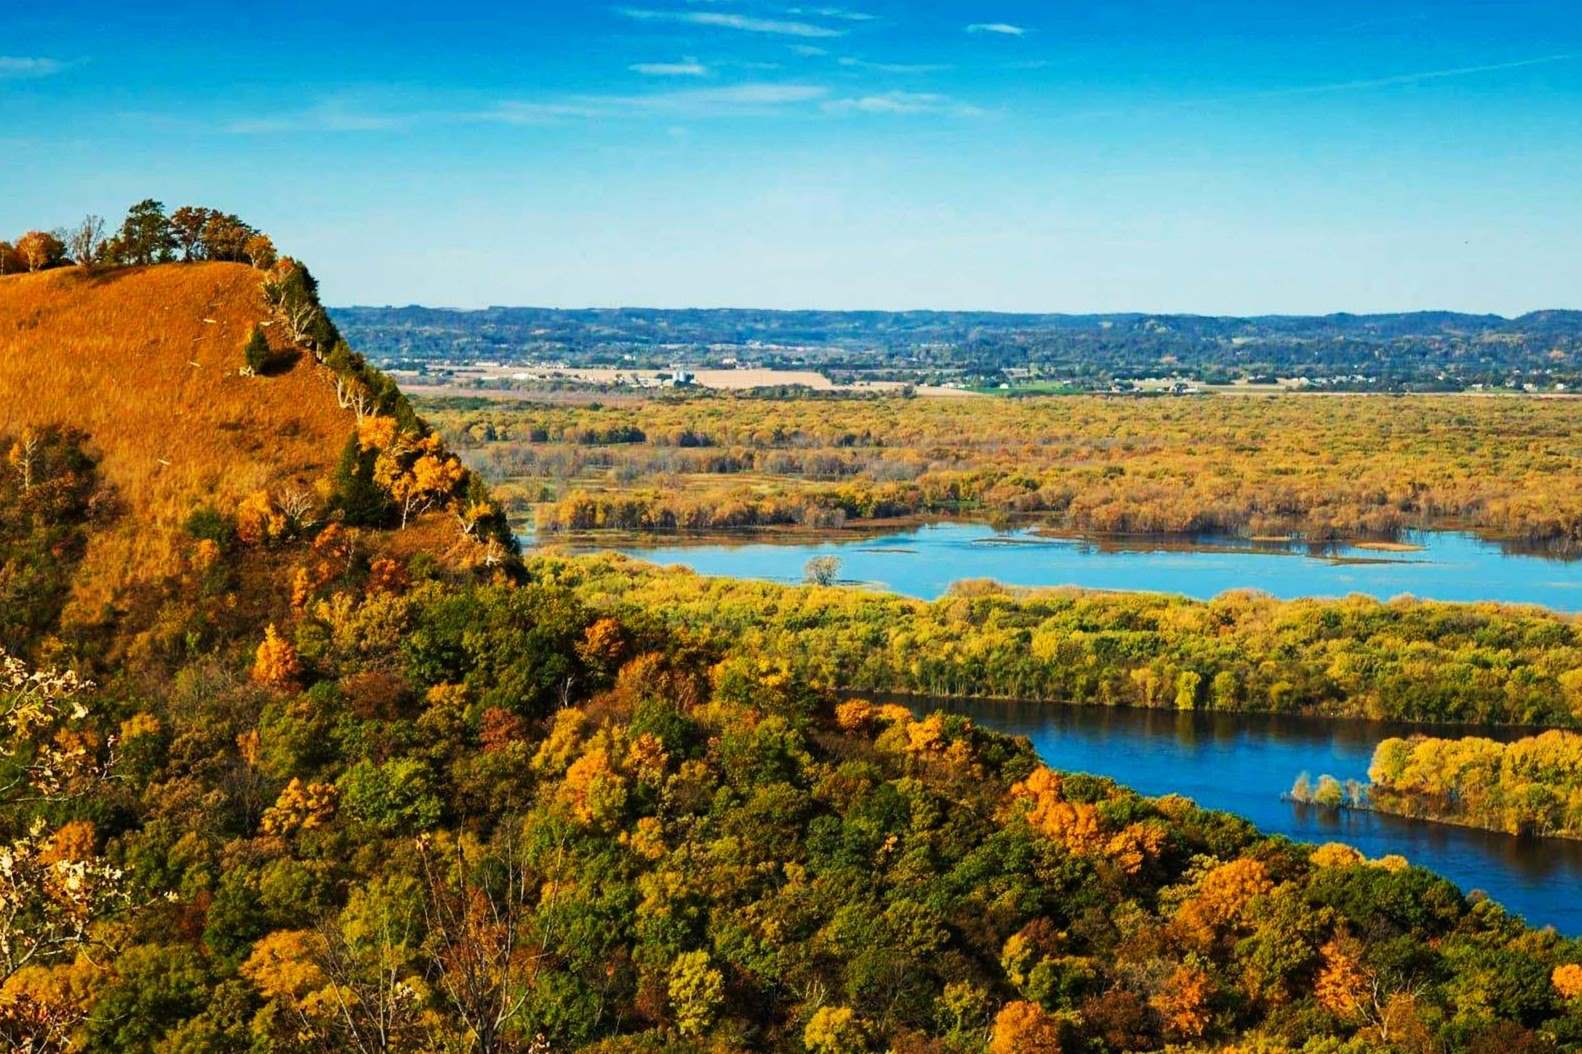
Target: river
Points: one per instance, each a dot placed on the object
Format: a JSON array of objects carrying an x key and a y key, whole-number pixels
[
  {"x": 1243, "y": 762},
  {"x": 924, "y": 561}
]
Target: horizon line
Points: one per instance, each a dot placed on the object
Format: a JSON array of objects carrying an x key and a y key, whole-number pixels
[{"x": 970, "y": 311}]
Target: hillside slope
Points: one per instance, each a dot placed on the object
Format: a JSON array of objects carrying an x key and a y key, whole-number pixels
[{"x": 146, "y": 361}]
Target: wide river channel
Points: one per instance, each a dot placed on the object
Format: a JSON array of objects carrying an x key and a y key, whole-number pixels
[
  {"x": 924, "y": 561},
  {"x": 1237, "y": 762},
  {"x": 1242, "y": 762}
]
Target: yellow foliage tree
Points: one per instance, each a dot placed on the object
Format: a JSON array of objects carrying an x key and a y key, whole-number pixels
[
  {"x": 835, "y": 1030},
  {"x": 376, "y": 432},
  {"x": 592, "y": 789},
  {"x": 1221, "y": 898},
  {"x": 696, "y": 990},
  {"x": 1135, "y": 845},
  {"x": 43, "y": 1007},
  {"x": 1335, "y": 854},
  {"x": 282, "y": 965},
  {"x": 300, "y": 807},
  {"x": 1024, "y": 1028},
  {"x": 276, "y": 665},
  {"x": 259, "y": 520},
  {"x": 1567, "y": 979},
  {"x": 602, "y": 644},
  {"x": 855, "y": 715},
  {"x": 1074, "y": 824},
  {"x": 927, "y": 736},
  {"x": 418, "y": 475},
  {"x": 72, "y": 842}
]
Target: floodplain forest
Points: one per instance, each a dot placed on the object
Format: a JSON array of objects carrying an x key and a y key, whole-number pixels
[
  {"x": 1530, "y": 787},
  {"x": 1315, "y": 467},
  {"x": 1404, "y": 659}
]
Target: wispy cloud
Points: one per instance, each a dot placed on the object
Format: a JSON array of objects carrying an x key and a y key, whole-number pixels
[
  {"x": 730, "y": 20},
  {"x": 891, "y": 67},
  {"x": 840, "y": 13},
  {"x": 1383, "y": 22},
  {"x": 687, "y": 67},
  {"x": 1418, "y": 77},
  {"x": 735, "y": 100},
  {"x": 19, "y": 67},
  {"x": 1327, "y": 87},
  {"x": 1004, "y": 29},
  {"x": 752, "y": 99},
  {"x": 808, "y": 51},
  {"x": 514, "y": 111},
  {"x": 903, "y": 102}
]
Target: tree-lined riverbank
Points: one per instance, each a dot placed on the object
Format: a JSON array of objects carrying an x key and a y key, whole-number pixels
[
  {"x": 1404, "y": 660},
  {"x": 1531, "y": 786}
]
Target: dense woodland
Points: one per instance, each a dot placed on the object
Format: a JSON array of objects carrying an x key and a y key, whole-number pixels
[
  {"x": 1532, "y": 786},
  {"x": 47, "y": 497},
  {"x": 482, "y": 818},
  {"x": 342, "y": 773},
  {"x": 1405, "y": 659},
  {"x": 1424, "y": 350},
  {"x": 1318, "y": 467}
]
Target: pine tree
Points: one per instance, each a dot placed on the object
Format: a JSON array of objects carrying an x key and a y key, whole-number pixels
[
  {"x": 361, "y": 501},
  {"x": 259, "y": 356}
]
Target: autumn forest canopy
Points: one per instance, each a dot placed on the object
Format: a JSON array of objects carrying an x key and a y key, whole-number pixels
[
  {"x": 1318, "y": 468},
  {"x": 300, "y": 752}
]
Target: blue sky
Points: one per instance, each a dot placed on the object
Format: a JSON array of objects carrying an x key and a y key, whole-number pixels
[{"x": 1218, "y": 156}]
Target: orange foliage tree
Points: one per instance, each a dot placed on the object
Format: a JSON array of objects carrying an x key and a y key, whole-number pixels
[
  {"x": 1024, "y": 1028},
  {"x": 275, "y": 664}
]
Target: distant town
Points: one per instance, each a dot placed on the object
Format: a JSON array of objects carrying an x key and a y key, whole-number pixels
[{"x": 954, "y": 353}]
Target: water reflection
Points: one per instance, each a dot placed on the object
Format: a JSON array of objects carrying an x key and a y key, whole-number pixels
[{"x": 1242, "y": 763}]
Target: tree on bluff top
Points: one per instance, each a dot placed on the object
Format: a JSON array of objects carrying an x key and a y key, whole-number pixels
[
  {"x": 145, "y": 236},
  {"x": 186, "y": 229},
  {"x": 40, "y": 249},
  {"x": 86, "y": 242}
]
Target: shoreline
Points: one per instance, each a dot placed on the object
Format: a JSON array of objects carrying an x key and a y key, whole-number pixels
[
  {"x": 1514, "y": 730},
  {"x": 1471, "y": 825},
  {"x": 1110, "y": 542}
]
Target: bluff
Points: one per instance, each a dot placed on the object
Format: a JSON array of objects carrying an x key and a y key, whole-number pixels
[{"x": 140, "y": 377}]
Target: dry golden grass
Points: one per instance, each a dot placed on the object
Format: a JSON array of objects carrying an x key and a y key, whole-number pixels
[{"x": 146, "y": 362}]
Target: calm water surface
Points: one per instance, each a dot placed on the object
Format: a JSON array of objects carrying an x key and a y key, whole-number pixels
[
  {"x": 924, "y": 561},
  {"x": 1242, "y": 762}
]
